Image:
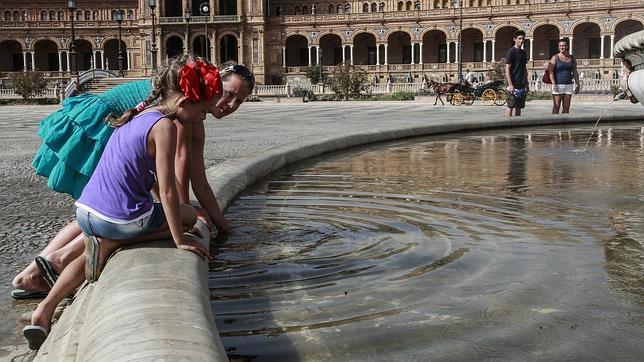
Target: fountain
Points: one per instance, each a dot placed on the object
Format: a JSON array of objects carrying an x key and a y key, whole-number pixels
[{"x": 631, "y": 50}]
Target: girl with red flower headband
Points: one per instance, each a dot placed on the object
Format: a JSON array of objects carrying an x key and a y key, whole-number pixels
[{"x": 116, "y": 206}]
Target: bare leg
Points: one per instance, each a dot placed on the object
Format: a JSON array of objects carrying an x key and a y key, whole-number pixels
[
  {"x": 508, "y": 112},
  {"x": 70, "y": 278},
  {"x": 566, "y": 103},
  {"x": 61, "y": 250},
  {"x": 556, "y": 103}
]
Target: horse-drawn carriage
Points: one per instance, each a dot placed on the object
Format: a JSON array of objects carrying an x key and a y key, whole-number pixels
[{"x": 490, "y": 93}]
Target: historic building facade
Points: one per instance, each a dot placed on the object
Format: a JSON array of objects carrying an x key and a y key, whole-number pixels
[{"x": 397, "y": 41}]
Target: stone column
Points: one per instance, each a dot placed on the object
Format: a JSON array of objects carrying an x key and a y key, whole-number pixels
[
  {"x": 33, "y": 60},
  {"x": 241, "y": 41},
  {"x": 309, "y": 53},
  {"x": 60, "y": 61},
  {"x": 95, "y": 59},
  {"x": 128, "y": 59},
  {"x": 69, "y": 69},
  {"x": 493, "y": 50},
  {"x": 102, "y": 66},
  {"x": 284, "y": 57},
  {"x": 531, "y": 50},
  {"x": 386, "y": 54},
  {"x": 448, "y": 46},
  {"x": 377, "y": 54},
  {"x": 420, "y": 53},
  {"x": 413, "y": 50},
  {"x": 612, "y": 43},
  {"x": 351, "y": 52},
  {"x": 570, "y": 44},
  {"x": 485, "y": 51},
  {"x": 213, "y": 47},
  {"x": 456, "y": 55},
  {"x": 24, "y": 61},
  {"x": 601, "y": 47}
]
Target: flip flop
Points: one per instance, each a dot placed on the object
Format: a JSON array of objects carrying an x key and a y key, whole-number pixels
[
  {"x": 47, "y": 271},
  {"x": 21, "y": 294},
  {"x": 91, "y": 262},
  {"x": 35, "y": 335}
]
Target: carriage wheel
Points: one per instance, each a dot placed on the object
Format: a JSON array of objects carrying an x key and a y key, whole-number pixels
[
  {"x": 457, "y": 99},
  {"x": 469, "y": 99},
  {"x": 501, "y": 97},
  {"x": 488, "y": 97}
]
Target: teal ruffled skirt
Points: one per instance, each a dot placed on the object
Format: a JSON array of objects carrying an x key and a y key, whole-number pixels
[{"x": 74, "y": 137}]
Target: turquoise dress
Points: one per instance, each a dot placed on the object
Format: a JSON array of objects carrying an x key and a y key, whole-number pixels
[{"x": 73, "y": 138}]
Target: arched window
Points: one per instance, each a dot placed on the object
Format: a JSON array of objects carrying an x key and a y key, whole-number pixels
[
  {"x": 44, "y": 15},
  {"x": 130, "y": 14},
  {"x": 297, "y": 10},
  {"x": 417, "y": 5},
  {"x": 7, "y": 15},
  {"x": 61, "y": 15},
  {"x": 340, "y": 8},
  {"x": 88, "y": 15},
  {"x": 278, "y": 11},
  {"x": 347, "y": 8},
  {"x": 374, "y": 7},
  {"x": 25, "y": 15},
  {"x": 400, "y": 5},
  {"x": 113, "y": 15},
  {"x": 79, "y": 15},
  {"x": 305, "y": 10},
  {"x": 408, "y": 5},
  {"x": 381, "y": 7},
  {"x": 16, "y": 15},
  {"x": 95, "y": 15},
  {"x": 365, "y": 8},
  {"x": 331, "y": 9},
  {"x": 52, "y": 15}
]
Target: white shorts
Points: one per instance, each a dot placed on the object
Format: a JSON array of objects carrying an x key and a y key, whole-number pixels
[{"x": 563, "y": 89}]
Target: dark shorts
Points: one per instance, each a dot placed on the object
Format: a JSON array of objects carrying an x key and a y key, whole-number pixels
[
  {"x": 516, "y": 102},
  {"x": 94, "y": 225}
]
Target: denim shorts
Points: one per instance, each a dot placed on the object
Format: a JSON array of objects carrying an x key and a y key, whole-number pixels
[{"x": 94, "y": 225}]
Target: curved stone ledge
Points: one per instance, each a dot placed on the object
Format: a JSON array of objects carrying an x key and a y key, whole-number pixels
[{"x": 151, "y": 302}]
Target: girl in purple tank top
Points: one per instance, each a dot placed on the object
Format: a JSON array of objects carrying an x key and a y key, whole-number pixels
[{"x": 116, "y": 207}]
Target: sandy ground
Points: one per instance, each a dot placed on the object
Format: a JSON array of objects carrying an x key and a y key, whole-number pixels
[{"x": 30, "y": 213}]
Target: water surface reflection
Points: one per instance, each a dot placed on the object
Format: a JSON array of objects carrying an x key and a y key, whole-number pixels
[{"x": 508, "y": 246}]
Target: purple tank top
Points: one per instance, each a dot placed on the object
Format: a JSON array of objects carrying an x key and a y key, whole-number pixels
[{"x": 119, "y": 189}]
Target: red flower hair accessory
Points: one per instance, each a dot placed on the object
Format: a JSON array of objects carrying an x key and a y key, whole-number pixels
[{"x": 200, "y": 80}]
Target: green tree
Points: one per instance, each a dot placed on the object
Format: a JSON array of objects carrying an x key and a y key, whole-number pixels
[
  {"x": 349, "y": 81},
  {"x": 313, "y": 73},
  {"x": 28, "y": 84}
]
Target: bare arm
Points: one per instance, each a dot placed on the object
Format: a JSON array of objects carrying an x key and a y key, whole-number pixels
[
  {"x": 163, "y": 139},
  {"x": 200, "y": 185},
  {"x": 182, "y": 161},
  {"x": 576, "y": 75},
  {"x": 551, "y": 71},
  {"x": 508, "y": 78}
]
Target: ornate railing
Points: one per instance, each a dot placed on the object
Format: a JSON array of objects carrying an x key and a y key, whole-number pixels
[
  {"x": 72, "y": 87},
  {"x": 200, "y": 19},
  {"x": 10, "y": 94}
]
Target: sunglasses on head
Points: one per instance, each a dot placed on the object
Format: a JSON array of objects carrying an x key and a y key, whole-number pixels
[{"x": 243, "y": 72}]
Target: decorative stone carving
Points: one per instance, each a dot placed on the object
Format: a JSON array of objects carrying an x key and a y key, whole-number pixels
[
  {"x": 452, "y": 28},
  {"x": 347, "y": 34},
  {"x": 314, "y": 35},
  {"x": 489, "y": 26},
  {"x": 566, "y": 24},
  {"x": 99, "y": 40},
  {"x": 527, "y": 25}
]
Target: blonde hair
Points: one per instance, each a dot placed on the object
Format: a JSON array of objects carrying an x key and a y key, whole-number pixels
[{"x": 164, "y": 86}]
